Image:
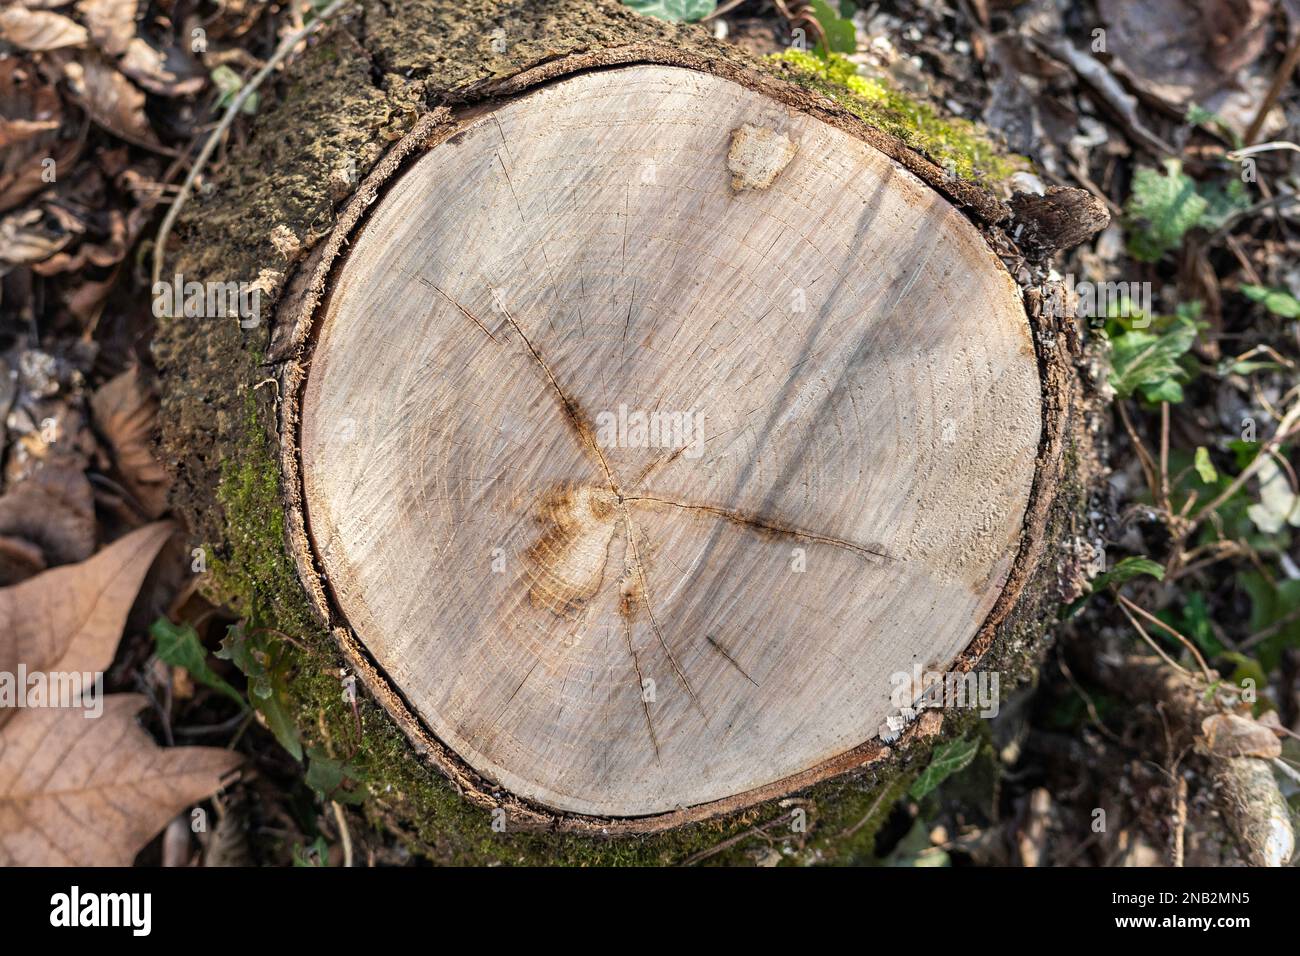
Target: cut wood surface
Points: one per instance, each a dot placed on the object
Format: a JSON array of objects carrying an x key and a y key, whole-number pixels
[{"x": 841, "y": 410}]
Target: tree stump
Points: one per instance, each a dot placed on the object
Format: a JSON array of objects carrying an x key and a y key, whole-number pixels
[{"x": 643, "y": 418}]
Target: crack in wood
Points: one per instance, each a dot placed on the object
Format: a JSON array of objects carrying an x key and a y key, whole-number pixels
[{"x": 872, "y": 553}]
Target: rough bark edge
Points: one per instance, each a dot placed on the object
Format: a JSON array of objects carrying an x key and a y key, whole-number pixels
[{"x": 296, "y": 318}]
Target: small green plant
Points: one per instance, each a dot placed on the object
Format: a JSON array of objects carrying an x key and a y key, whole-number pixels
[
  {"x": 263, "y": 663},
  {"x": 332, "y": 779},
  {"x": 1278, "y": 301},
  {"x": 1153, "y": 364},
  {"x": 179, "y": 646},
  {"x": 841, "y": 34},
  {"x": 948, "y": 759},
  {"x": 1164, "y": 207},
  {"x": 228, "y": 83},
  {"x": 1123, "y": 572}
]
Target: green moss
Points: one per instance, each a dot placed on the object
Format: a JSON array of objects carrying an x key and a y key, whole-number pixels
[{"x": 955, "y": 144}]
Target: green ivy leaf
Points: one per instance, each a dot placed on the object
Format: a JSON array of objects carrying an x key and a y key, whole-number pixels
[
  {"x": 1126, "y": 571},
  {"x": 180, "y": 646},
  {"x": 687, "y": 11},
  {"x": 314, "y": 855},
  {"x": 948, "y": 759},
  {"x": 1196, "y": 624},
  {"x": 1269, "y": 604}
]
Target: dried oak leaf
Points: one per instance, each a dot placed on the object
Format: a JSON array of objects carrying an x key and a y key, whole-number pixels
[
  {"x": 80, "y": 792},
  {"x": 125, "y": 413},
  {"x": 71, "y": 618},
  {"x": 76, "y": 790},
  {"x": 39, "y": 30},
  {"x": 1230, "y": 735},
  {"x": 19, "y": 560}
]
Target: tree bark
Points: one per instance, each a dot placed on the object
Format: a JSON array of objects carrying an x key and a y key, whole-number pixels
[{"x": 494, "y": 235}]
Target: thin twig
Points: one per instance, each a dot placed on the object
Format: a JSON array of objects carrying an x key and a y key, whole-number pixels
[
  {"x": 1144, "y": 457},
  {"x": 1280, "y": 80},
  {"x": 1205, "y": 669},
  {"x": 1154, "y": 646},
  {"x": 281, "y": 53},
  {"x": 344, "y": 833}
]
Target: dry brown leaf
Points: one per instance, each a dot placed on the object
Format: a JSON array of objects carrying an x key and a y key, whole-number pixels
[
  {"x": 1177, "y": 52},
  {"x": 54, "y": 509},
  {"x": 126, "y": 413},
  {"x": 19, "y": 560},
  {"x": 33, "y": 112},
  {"x": 26, "y": 237},
  {"x": 111, "y": 23},
  {"x": 15, "y": 131},
  {"x": 1237, "y": 29},
  {"x": 76, "y": 789},
  {"x": 39, "y": 30},
  {"x": 92, "y": 792},
  {"x": 110, "y": 98},
  {"x": 167, "y": 73},
  {"x": 1229, "y": 735},
  {"x": 71, "y": 618}
]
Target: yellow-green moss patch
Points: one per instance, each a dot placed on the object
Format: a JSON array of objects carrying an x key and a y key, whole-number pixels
[{"x": 958, "y": 145}]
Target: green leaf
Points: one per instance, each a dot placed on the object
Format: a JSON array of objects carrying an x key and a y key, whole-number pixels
[
  {"x": 333, "y": 779},
  {"x": 1196, "y": 624},
  {"x": 1221, "y": 204},
  {"x": 229, "y": 83},
  {"x": 1149, "y": 362},
  {"x": 948, "y": 759},
  {"x": 1278, "y": 301},
  {"x": 841, "y": 34},
  {"x": 687, "y": 11},
  {"x": 1204, "y": 467},
  {"x": 180, "y": 646},
  {"x": 1198, "y": 115},
  {"x": 1161, "y": 209},
  {"x": 267, "y": 687},
  {"x": 1269, "y": 605},
  {"x": 1127, "y": 570},
  {"x": 314, "y": 855}
]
